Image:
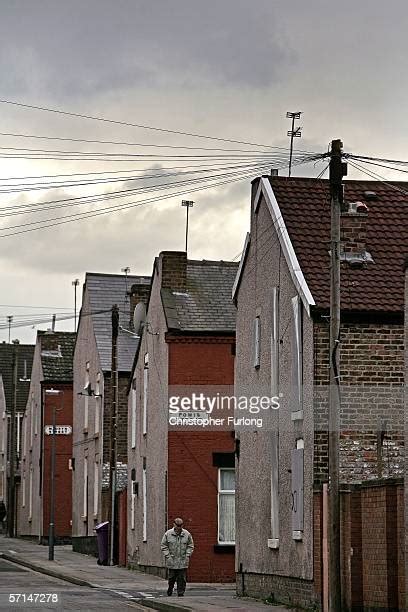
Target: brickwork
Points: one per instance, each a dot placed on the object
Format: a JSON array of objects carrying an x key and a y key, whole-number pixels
[
  {"x": 373, "y": 546},
  {"x": 353, "y": 232},
  {"x": 192, "y": 477},
  {"x": 173, "y": 270},
  {"x": 372, "y": 373},
  {"x": 280, "y": 589},
  {"x": 122, "y": 422}
]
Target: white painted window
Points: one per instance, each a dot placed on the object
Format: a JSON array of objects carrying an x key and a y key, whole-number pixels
[
  {"x": 2, "y": 482},
  {"x": 133, "y": 414},
  {"x": 297, "y": 354},
  {"x": 18, "y": 432},
  {"x": 96, "y": 486},
  {"x": 24, "y": 446},
  {"x": 297, "y": 484},
  {"x": 31, "y": 419},
  {"x": 30, "y": 494},
  {"x": 132, "y": 504},
  {"x": 145, "y": 391},
  {"x": 275, "y": 343},
  {"x": 86, "y": 396},
  {"x": 273, "y": 542},
  {"x": 257, "y": 342},
  {"x": 98, "y": 403},
  {"x": 144, "y": 485},
  {"x": 85, "y": 489},
  {"x": 23, "y": 491},
  {"x": 4, "y": 432},
  {"x": 226, "y": 506}
]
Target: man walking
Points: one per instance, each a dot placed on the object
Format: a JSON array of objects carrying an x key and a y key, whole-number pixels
[{"x": 177, "y": 546}]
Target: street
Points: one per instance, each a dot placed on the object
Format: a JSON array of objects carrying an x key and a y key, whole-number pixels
[{"x": 18, "y": 580}]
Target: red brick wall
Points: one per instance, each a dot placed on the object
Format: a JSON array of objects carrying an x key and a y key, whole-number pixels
[
  {"x": 192, "y": 478},
  {"x": 372, "y": 533},
  {"x": 372, "y": 378},
  {"x": 122, "y": 522},
  {"x": 63, "y": 475}
]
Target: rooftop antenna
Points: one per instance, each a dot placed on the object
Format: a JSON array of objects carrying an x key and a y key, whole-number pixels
[
  {"x": 293, "y": 134},
  {"x": 75, "y": 284},
  {"x": 188, "y": 204}
]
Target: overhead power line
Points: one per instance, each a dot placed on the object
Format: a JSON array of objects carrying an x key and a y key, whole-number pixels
[{"x": 128, "y": 124}]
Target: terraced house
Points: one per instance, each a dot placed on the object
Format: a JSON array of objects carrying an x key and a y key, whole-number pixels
[
  {"x": 51, "y": 371},
  {"x": 282, "y": 296},
  {"x": 187, "y": 346},
  {"x": 93, "y": 398}
]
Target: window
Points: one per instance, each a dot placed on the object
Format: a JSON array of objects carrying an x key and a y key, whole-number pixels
[
  {"x": 144, "y": 484},
  {"x": 273, "y": 542},
  {"x": 132, "y": 504},
  {"x": 297, "y": 357},
  {"x": 36, "y": 417},
  {"x": 226, "y": 506},
  {"x": 133, "y": 414},
  {"x": 96, "y": 486},
  {"x": 30, "y": 495},
  {"x": 98, "y": 402},
  {"x": 275, "y": 343},
  {"x": 145, "y": 391},
  {"x": 85, "y": 490},
  {"x": 297, "y": 489},
  {"x": 23, "y": 491},
  {"x": 4, "y": 432},
  {"x": 24, "y": 445},
  {"x": 257, "y": 342},
  {"x": 19, "y": 416},
  {"x": 31, "y": 419},
  {"x": 86, "y": 397}
]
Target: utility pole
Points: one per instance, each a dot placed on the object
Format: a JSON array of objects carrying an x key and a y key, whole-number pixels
[
  {"x": 188, "y": 204},
  {"x": 9, "y": 321},
  {"x": 337, "y": 171},
  {"x": 293, "y": 134},
  {"x": 75, "y": 284},
  {"x": 113, "y": 429},
  {"x": 11, "y": 498}
]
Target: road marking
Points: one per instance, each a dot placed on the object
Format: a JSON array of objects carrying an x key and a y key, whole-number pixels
[
  {"x": 146, "y": 594},
  {"x": 12, "y": 551}
]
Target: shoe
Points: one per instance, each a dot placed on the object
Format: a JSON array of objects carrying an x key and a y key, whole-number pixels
[{"x": 169, "y": 592}]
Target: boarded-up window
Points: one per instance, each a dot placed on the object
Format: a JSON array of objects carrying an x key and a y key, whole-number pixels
[
  {"x": 145, "y": 391},
  {"x": 144, "y": 485},
  {"x": 275, "y": 487},
  {"x": 275, "y": 343},
  {"x": 133, "y": 414},
  {"x": 297, "y": 489},
  {"x": 297, "y": 360},
  {"x": 257, "y": 342}
]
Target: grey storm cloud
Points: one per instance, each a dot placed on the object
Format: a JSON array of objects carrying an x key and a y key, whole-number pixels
[{"x": 79, "y": 47}]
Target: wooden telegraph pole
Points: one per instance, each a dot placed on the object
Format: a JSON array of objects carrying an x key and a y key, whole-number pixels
[{"x": 337, "y": 171}]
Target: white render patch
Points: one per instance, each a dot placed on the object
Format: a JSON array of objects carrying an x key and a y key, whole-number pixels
[
  {"x": 121, "y": 476},
  {"x": 180, "y": 293},
  {"x": 52, "y": 353}
]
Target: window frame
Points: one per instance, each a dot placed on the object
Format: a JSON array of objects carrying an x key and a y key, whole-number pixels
[{"x": 220, "y": 493}]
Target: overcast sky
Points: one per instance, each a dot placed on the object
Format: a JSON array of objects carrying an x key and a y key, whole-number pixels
[{"x": 226, "y": 68}]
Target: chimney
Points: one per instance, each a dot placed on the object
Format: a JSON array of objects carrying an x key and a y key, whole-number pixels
[
  {"x": 139, "y": 292},
  {"x": 353, "y": 231},
  {"x": 173, "y": 270}
]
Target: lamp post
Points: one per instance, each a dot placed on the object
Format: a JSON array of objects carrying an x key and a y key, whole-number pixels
[{"x": 51, "y": 528}]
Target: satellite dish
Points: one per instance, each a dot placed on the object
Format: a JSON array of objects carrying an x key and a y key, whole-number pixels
[{"x": 139, "y": 317}]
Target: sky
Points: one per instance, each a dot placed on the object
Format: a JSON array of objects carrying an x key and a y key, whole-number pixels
[{"x": 224, "y": 68}]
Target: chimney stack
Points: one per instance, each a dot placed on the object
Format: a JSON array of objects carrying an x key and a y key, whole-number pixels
[
  {"x": 173, "y": 270},
  {"x": 139, "y": 292}
]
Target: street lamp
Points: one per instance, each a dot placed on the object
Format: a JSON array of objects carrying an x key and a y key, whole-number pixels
[{"x": 51, "y": 528}]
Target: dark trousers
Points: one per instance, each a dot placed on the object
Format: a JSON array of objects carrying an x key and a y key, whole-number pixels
[{"x": 179, "y": 575}]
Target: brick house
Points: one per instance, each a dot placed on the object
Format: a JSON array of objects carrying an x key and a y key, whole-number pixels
[
  {"x": 92, "y": 397},
  {"x": 188, "y": 339},
  {"x": 282, "y": 296},
  {"x": 51, "y": 370},
  {"x": 22, "y": 354}
]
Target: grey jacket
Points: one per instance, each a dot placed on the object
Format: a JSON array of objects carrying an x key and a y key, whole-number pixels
[{"x": 177, "y": 549}]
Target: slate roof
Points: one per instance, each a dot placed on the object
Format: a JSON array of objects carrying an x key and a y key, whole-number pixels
[
  {"x": 206, "y": 305},
  {"x": 25, "y": 356},
  {"x": 104, "y": 291},
  {"x": 377, "y": 287},
  {"x": 57, "y": 353}
]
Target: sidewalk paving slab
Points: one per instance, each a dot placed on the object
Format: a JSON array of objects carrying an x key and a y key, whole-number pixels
[{"x": 83, "y": 570}]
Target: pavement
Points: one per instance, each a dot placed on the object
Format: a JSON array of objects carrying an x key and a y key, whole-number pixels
[{"x": 142, "y": 591}]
